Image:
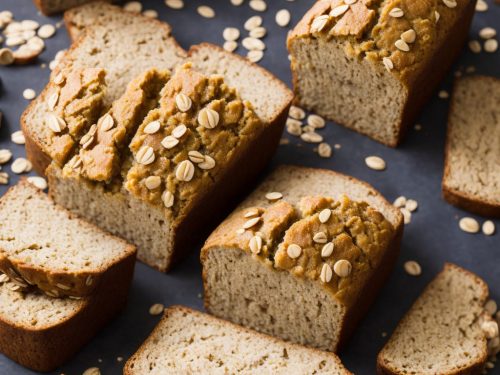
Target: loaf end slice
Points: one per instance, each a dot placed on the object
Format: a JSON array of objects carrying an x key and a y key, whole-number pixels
[
  {"x": 46, "y": 247},
  {"x": 472, "y": 158},
  {"x": 347, "y": 66},
  {"x": 42, "y": 333},
  {"x": 189, "y": 341},
  {"x": 251, "y": 279},
  {"x": 442, "y": 333}
]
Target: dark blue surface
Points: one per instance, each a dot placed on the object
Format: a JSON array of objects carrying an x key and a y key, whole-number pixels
[{"x": 414, "y": 170}]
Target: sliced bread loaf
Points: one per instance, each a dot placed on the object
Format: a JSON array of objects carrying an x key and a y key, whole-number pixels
[
  {"x": 472, "y": 159},
  {"x": 371, "y": 65},
  {"x": 323, "y": 253},
  {"x": 123, "y": 43},
  {"x": 445, "y": 332},
  {"x": 44, "y": 246},
  {"x": 41, "y": 332},
  {"x": 182, "y": 170},
  {"x": 187, "y": 341}
]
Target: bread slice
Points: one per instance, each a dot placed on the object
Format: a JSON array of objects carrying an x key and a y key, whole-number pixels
[
  {"x": 129, "y": 209},
  {"x": 123, "y": 43},
  {"x": 50, "y": 7},
  {"x": 472, "y": 158},
  {"x": 45, "y": 246},
  {"x": 256, "y": 288},
  {"x": 188, "y": 341},
  {"x": 339, "y": 59},
  {"x": 442, "y": 332},
  {"x": 41, "y": 332}
]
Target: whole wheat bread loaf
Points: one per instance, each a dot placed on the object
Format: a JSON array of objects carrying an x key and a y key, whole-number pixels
[
  {"x": 187, "y": 341},
  {"x": 43, "y": 245},
  {"x": 472, "y": 158},
  {"x": 371, "y": 65},
  {"x": 267, "y": 257},
  {"x": 49, "y": 7},
  {"x": 442, "y": 332}
]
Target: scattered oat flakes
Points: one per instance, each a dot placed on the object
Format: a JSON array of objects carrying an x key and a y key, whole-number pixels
[
  {"x": 255, "y": 56},
  {"x": 487, "y": 33},
  {"x": 311, "y": 137},
  {"x": 18, "y": 137},
  {"x": 231, "y": 34},
  {"x": 258, "y": 5},
  {"x": 251, "y": 222},
  {"x": 327, "y": 250},
  {"x": 481, "y": 6},
  {"x": 156, "y": 309},
  {"x": 342, "y": 268},
  {"x": 283, "y": 17},
  {"x": 413, "y": 268},
  {"x": 206, "y": 11},
  {"x": 450, "y": 3},
  {"x": 443, "y": 94},
  {"x": 133, "y": 6},
  {"x": 237, "y": 2},
  {"x": 6, "y": 56},
  {"x": 37, "y": 181},
  {"x": 150, "y": 13},
  {"x": 274, "y": 196},
  {"x": 21, "y": 165},
  {"x": 174, "y": 4},
  {"x": 252, "y": 23},
  {"x": 252, "y": 44},
  {"x": 4, "y": 178},
  {"x": 406, "y": 215},
  {"x": 29, "y": 94},
  {"x": 46, "y": 31},
  {"x": 396, "y": 13},
  {"x": 255, "y": 244},
  {"x": 258, "y": 32},
  {"x": 491, "y": 45},
  {"x": 316, "y": 121},
  {"x": 324, "y": 150},
  {"x": 488, "y": 227},
  {"x": 411, "y": 205},
  {"x": 400, "y": 202},
  {"x": 475, "y": 46},
  {"x": 326, "y": 273},
  {"x": 375, "y": 163},
  {"x": 5, "y": 156},
  {"x": 294, "y": 251},
  {"x": 230, "y": 46},
  {"x": 469, "y": 225},
  {"x": 297, "y": 113},
  {"x": 92, "y": 371},
  {"x": 418, "y": 127}
]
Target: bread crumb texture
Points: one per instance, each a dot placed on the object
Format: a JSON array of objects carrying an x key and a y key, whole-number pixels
[
  {"x": 403, "y": 31},
  {"x": 301, "y": 239}
]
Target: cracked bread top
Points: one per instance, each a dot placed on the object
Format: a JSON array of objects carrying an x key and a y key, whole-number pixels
[
  {"x": 74, "y": 102},
  {"x": 399, "y": 35},
  {"x": 167, "y": 138},
  {"x": 336, "y": 242}
]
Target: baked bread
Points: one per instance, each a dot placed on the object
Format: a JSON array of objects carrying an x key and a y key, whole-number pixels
[
  {"x": 49, "y": 7},
  {"x": 41, "y": 332},
  {"x": 371, "y": 65},
  {"x": 323, "y": 253},
  {"x": 472, "y": 158},
  {"x": 176, "y": 170},
  {"x": 446, "y": 331},
  {"x": 188, "y": 341},
  {"x": 115, "y": 43},
  {"x": 44, "y": 246}
]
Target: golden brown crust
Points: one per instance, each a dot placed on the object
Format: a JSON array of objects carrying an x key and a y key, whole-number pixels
[
  {"x": 463, "y": 199},
  {"x": 48, "y": 348},
  {"x": 128, "y": 368},
  {"x": 475, "y": 368},
  {"x": 423, "y": 77}
]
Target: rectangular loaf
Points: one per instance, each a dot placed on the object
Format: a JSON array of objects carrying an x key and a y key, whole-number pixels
[
  {"x": 46, "y": 247},
  {"x": 447, "y": 331},
  {"x": 188, "y": 341},
  {"x": 371, "y": 65},
  {"x": 272, "y": 265},
  {"x": 471, "y": 177}
]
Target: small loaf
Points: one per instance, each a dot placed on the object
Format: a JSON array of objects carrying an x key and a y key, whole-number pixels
[
  {"x": 371, "y": 65},
  {"x": 316, "y": 249},
  {"x": 42, "y": 245},
  {"x": 471, "y": 177},
  {"x": 445, "y": 331},
  {"x": 187, "y": 341}
]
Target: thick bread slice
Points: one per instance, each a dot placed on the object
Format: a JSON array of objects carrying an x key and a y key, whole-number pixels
[
  {"x": 350, "y": 67},
  {"x": 257, "y": 291},
  {"x": 101, "y": 14},
  {"x": 44, "y": 245},
  {"x": 472, "y": 158},
  {"x": 49, "y": 7},
  {"x": 125, "y": 45},
  {"x": 188, "y": 341},
  {"x": 441, "y": 333},
  {"x": 41, "y": 332}
]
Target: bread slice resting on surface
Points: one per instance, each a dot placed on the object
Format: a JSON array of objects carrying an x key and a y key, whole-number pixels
[
  {"x": 447, "y": 330},
  {"x": 325, "y": 248},
  {"x": 44, "y": 246},
  {"x": 472, "y": 158},
  {"x": 188, "y": 341}
]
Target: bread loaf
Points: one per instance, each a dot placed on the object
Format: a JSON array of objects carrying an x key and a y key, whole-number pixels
[
  {"x": 445, "y": 331},
  {"x": 49, "y": 7},
  {"x": 472, "y": 158},
  {"x": 321, "y": 252},
  {"x": 187, "y": 341},
  {"x": 164, "y": 178},
  {"x": 371, "y": 65},
  {"x": 44, "y": 246}
]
